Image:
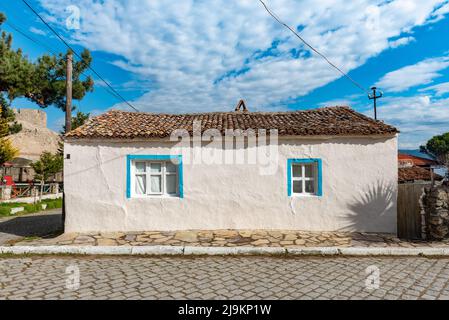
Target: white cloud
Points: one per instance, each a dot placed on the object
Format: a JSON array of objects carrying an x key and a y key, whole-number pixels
[
  {"x": 401, "y": 42},
  {"x": 419, "y": 118},
  {"x": 443, "y": 10},
  {"x": 439, "y": 89},
  {"x": 38, "y": 31},
  {"x": 185, "y": 46},
  {"x": 407, "y": 77}
]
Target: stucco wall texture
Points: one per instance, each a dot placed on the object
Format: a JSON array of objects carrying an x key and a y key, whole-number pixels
[{"x": 359, "y": 179}]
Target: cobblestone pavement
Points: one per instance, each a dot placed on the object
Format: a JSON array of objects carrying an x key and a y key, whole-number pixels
[
  {"x": 233, "y": 238},
  {"x": 222, "y": 278}
]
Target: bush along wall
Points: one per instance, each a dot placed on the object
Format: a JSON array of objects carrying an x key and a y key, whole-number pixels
[
  {"x": 436, "y": 207},
  {"x": 11, "y": 209}
]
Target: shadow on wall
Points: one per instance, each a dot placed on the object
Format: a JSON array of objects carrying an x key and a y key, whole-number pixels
[{"x": 373, "y": 209}]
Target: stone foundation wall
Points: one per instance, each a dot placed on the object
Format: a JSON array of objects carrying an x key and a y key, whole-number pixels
[{"x": 436, "y": 208}]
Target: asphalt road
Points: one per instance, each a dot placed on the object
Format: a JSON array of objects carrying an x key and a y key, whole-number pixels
[
  {"x": 223, "y": 278},
  {"x": 35, "y": 225}
]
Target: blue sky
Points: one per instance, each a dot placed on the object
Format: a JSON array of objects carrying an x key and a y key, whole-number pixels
[{"x": 198, "y": 55}]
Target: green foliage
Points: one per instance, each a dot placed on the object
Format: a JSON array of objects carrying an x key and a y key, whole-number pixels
[
  {"x": 53, "y": 203},
  {"x": 438, "y": 147},
  {"x": 5, "y": 208},
  {"x": 43, "y": 81},
  {"x": 5, "y": 211},
  {"x": 47, "y": 165},
  {"x": 15, "y": 128},
  {"x": 78, "y": 120},
  {"x": 32, "y": 208},
  {"x": 50, "y": 83},
  {"x": 7, "y": 150},
  {"x": 16, "y": 71}
]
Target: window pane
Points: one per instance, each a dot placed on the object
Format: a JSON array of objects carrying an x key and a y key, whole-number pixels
[
  {"x": 140, "y": 167},
  {"x": 170, "y": 167},
  {"x": 156, "y": 184},
  {"x": 140, "y": 184},
  {"x": 155, "y": 167},
  {"x": 310, "y": 187},
  {"x": 310, "y": 171},
  {"x": 297, "y": 186},
  {"x": 171, "y": 184},
  {"x": 297, "y": 171}
]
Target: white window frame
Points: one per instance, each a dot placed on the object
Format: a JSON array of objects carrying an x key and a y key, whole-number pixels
[
  {"x": 163, "y": 174},
  {"x": 303, "y": 179}
]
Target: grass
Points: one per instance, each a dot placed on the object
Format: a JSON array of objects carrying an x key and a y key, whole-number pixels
[{"x": 5, "y": 208}]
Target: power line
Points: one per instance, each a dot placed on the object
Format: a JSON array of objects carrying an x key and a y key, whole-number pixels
[
  {"x": 78, "y": 56},
  {"x": 38, "y": 42},
  {"x": 23, "y": 33},
  {"x": 312, "y": 48}
]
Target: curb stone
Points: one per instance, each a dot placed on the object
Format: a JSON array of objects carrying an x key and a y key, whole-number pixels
[{"x": 225, "y": 251}]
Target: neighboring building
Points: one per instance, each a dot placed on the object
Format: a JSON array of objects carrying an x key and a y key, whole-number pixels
[
  {"x": 417, "y": 167},
  {"x": 417, "y": 174},
  {"x": 330, "y": 169},
  {"x": 407, "y": 160}
]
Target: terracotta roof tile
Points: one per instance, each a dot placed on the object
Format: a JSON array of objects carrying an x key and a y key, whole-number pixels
[
  {"x": 416, "y": 174},
  {"x": 331, "y": 121},
  {"x": 417, "y": 161}
]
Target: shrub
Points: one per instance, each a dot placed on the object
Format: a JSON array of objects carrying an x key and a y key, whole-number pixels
[
  {"x": 32, "y": 208},
  {"x": 5, "y": 208},
  {"x": 5, "y": 211}
]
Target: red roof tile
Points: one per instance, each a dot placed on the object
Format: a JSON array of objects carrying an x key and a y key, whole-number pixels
[
  {"x": 332, "y": 121},
  {"x": 417, "y": 161},
  {"x": 416, "y": 174}
]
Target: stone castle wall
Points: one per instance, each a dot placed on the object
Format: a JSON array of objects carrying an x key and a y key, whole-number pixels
[
  {"x": 36, "y": 118},
  {"x": 35, "y": 137}
]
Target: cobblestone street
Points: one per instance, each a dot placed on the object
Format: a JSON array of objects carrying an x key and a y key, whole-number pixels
[{"x": 221, "y": 278}]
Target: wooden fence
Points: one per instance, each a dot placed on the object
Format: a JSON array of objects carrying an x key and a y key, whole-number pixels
[{"x": 409, "y": 210}]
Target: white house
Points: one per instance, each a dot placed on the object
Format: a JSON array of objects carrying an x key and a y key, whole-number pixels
[{"x": 330, "y": 169}]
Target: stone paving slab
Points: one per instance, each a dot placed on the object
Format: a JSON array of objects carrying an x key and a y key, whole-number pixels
[{"x": 233, "y": 238}]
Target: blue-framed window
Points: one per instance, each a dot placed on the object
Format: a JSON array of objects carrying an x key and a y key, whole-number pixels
[
  {"x": 304, "y": 177},
  {"x": 154, "y": 176}
]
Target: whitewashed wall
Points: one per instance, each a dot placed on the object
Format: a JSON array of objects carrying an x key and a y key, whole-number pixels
[{"x": 359, "y": 190}]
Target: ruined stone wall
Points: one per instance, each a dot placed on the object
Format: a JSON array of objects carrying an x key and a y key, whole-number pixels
[
  {"x": 35, "y": 137},
  {"x": 37, "y": 118},
  {"x": 436, "y": 208}
]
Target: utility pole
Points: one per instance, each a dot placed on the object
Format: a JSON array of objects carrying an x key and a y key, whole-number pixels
[
  {"x": 374, "y": 97},
  {"x": 68, "y": 113},
  {"x": 68, "y": 104}
]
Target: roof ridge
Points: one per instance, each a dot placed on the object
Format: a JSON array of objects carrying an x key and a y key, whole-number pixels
[
  {"x": 231, "y": 112},
  {"x": 327, "y": 121}
]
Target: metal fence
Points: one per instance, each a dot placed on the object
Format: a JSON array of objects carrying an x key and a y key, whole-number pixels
[{"x": 27, "y": 190}]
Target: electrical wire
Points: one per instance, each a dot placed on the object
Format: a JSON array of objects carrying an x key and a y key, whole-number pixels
[
  {"x": 38, "y": 42},
  {"x": 79, "y": 57},
  {"x": 272, "y": 14}
]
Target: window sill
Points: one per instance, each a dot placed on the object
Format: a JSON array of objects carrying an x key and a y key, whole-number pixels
[
  {"x": 305, "y": 196},
  {"x": 155, "y": 197}
]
